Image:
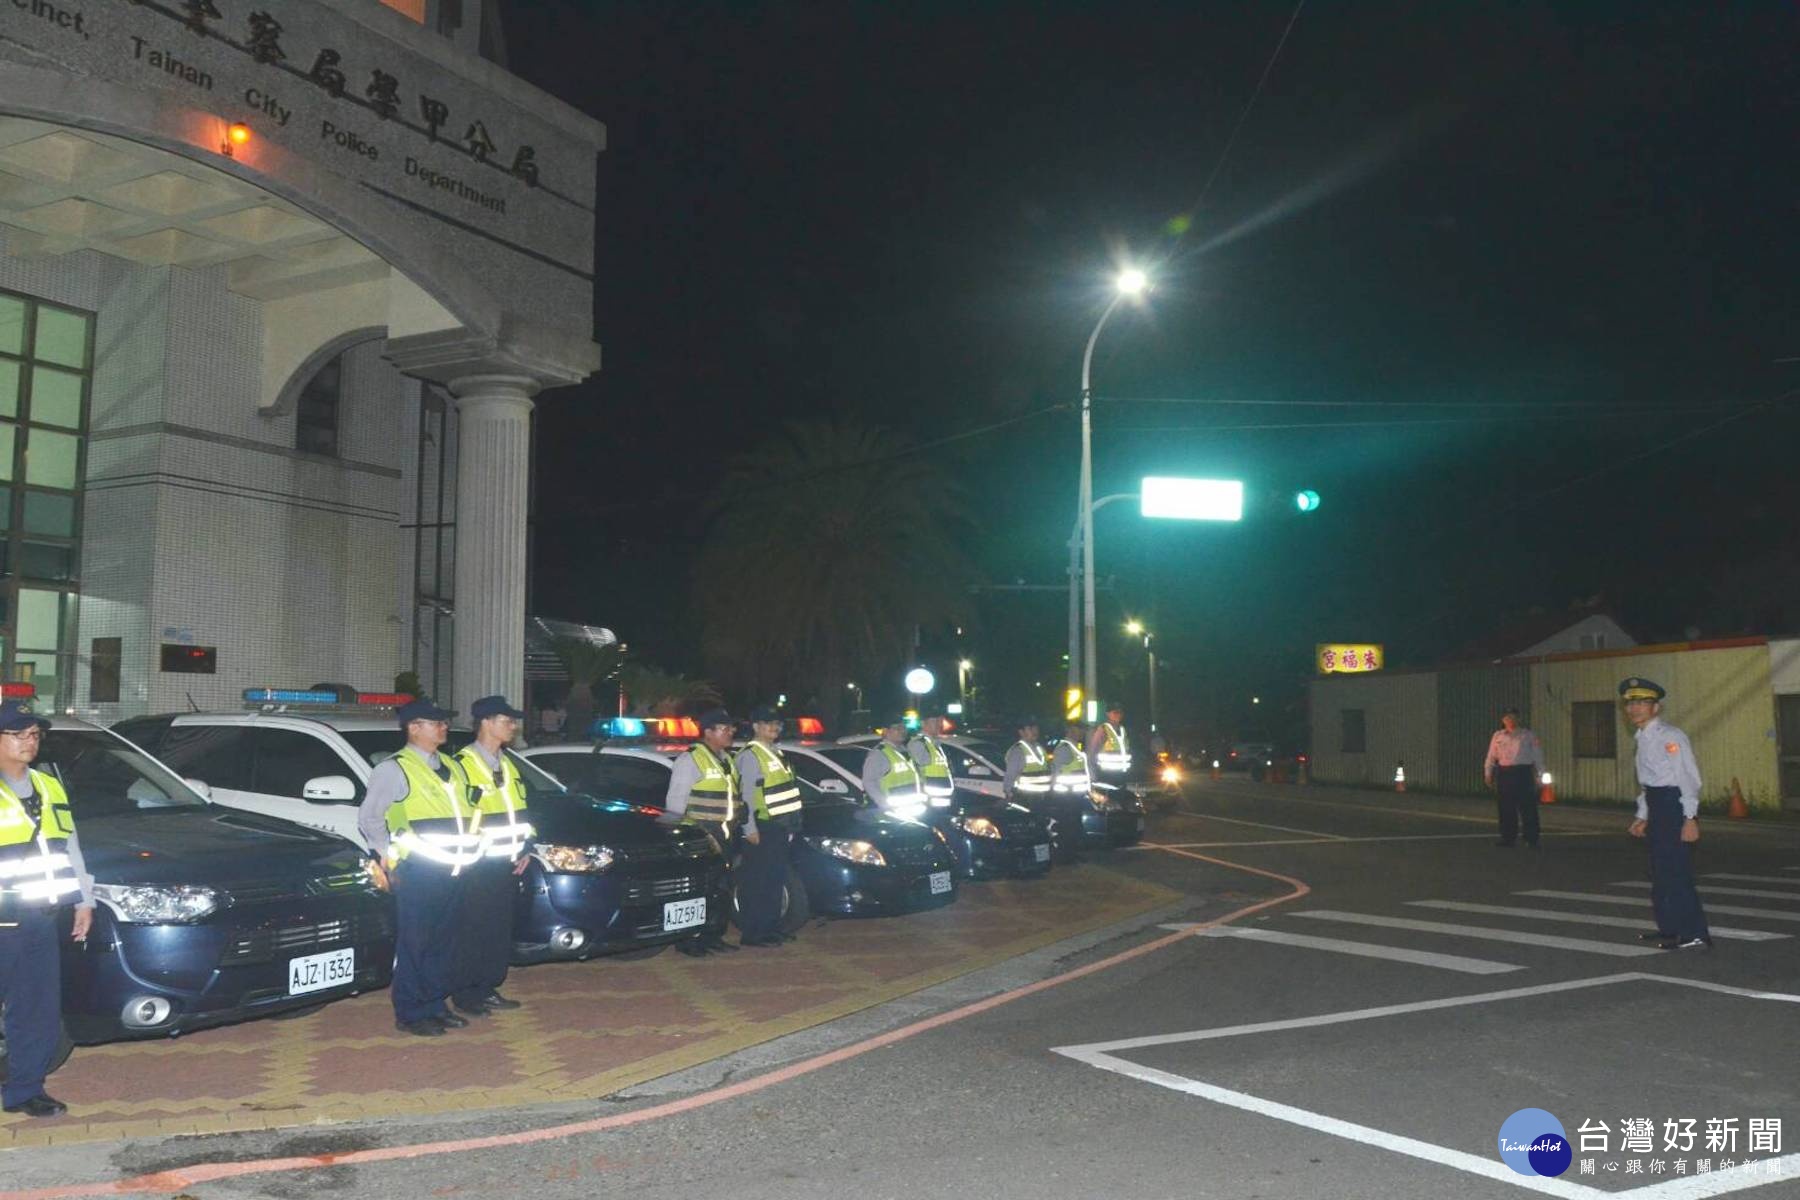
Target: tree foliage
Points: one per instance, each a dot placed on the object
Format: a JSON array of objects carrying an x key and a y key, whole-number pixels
[
  {"x": 653, "y": 692},
  {"x": 830, "y": 543},
  {"x": 588, "y": 663}
]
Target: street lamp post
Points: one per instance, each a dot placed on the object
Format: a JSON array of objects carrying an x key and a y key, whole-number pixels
[
  {"x": 963, "y": 667},
  {"x": 1129, "y": 284},
  {"x": 1136, "y": 628}
]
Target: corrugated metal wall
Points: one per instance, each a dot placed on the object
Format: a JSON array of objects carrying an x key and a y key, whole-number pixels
[
  {"x": 1470, "y": 701},
  {"x": 1400, "y": 723},
  {"x": 1721, "y": 697}
]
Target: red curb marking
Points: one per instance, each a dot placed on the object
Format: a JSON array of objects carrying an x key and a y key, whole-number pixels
[{"x": 184, "y": 1178}]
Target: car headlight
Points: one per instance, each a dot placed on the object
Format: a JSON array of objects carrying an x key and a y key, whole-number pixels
[
  {"x": 856, "y": 850},
  {"x": 979, "y": 827},
  {"x": 575, "y": 860},
  {"x": 156, "y": 904},
  {"x": 1171, "y": 774}
]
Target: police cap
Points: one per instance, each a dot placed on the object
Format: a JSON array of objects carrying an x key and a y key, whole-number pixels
[
  {"x": 17, "y": 717},
  {"x": 1640, "y": 689},
  {"x": 716, "y": 716},
  {"x": 421, "y": 709},
  {"x": 493, "y": 706},
  {"x": 765, "y": 713}
]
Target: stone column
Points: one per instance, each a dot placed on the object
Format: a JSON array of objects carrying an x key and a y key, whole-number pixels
[{"x": 493, "y": 470}]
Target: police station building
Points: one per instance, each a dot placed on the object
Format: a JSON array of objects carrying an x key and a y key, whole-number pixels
[{"x": 279, "y": 283}]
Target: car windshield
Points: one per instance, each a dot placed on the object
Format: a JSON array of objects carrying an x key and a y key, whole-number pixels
[
  {"x": 379, "y": 745},
  {"x": 812, "y": 772},
  {"x": 848, "y": 757},
  {"x": 988, "y": 750},
  {"x": 106, "y": 776}
]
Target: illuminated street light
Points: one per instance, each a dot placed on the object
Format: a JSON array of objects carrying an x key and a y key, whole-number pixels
[
  {"x": 1136, "y": 629},
  {"x": 1192, "y": 499}
]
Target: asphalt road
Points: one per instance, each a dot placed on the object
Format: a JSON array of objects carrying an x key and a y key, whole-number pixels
[{"x": 1398, "y": 989}]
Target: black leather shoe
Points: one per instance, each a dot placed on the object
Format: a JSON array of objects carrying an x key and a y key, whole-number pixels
[
  {"x": 40, "y": 1105},
  {"x": 720, "y": 943},
  {"x": 1654, "y": 936},
  {"x": 450, "y": 1020},
  {"x": 496, "y": 1000},
  {"x": 471, "y": 1010},
  {"x": 692, "y": 948},
  {"x": 773, "y": 939},
  {"x": 423, "y": 1027},
  {"x": 1697, "y": 943}
]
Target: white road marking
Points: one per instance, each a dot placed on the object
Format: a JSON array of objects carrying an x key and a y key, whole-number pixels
[
  {"x": 1332, "y": 841},
  {"x": 1423, "y": 958},
  {"x": 1318, "y": 833},
  {"x": 1540, "y": 914},
  {"x": 1696, "y": 1187},
  {"x": 1761, "y": 894},
  {"x": 1754, "y": 878},
  {"x": 1482, "y": 932},
  {"x": 1730, "y": 910}
]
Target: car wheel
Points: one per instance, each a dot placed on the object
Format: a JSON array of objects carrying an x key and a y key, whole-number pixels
[
  {"x": 64, "y": 1048},
  {"x": 796, "y": 908}
]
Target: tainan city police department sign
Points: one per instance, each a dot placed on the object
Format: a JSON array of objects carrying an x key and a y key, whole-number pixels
[{"x": 1346, "y": 659}]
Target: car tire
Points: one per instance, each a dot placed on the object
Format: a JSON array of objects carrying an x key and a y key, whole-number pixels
[
  {"x": 64, "y": 1048},
  {"x": 796, "y": 907}
]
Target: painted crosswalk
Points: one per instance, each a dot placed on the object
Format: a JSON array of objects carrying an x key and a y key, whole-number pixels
[
  {"x": 1579, "y": 918},
  {"x": 1729, "y": 910},
  {"x": 1790, "y": 880},
  {"x": 1482, "y": 933},
  {"x": 1755, "y": 893},
  {"x": 1423, "y": 958}
]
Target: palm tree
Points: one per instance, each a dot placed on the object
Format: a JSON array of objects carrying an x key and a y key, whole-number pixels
[
  {"x": 588, "y": 663},
  {"x": 830, "y": 544},
  {"x": 658, "y": 693}
]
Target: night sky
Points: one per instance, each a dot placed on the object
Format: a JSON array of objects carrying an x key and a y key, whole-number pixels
[{"x": 1544, "y": 255}]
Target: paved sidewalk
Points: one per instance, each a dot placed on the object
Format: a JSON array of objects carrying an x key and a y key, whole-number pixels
[{"x": 588, "y": 1029}]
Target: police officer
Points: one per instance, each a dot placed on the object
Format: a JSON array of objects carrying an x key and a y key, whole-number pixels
[
  {"x": 772, "y": 815},
  {"x": 704, "y": 789},
  {"x": 1069, "y": 774},
  {"x": 420, "y": 819},
  {"x": 1027, "y": 776},
  {"x": 1515, "y": 758},
  {"x": 41, "y": 872},
  {"x": 491, "y": 886},
  {"x": 1109, "y": 750},
  {"x": 890, "y": 776},
  {"x": 933, "y": 763},
  {"x": 1668, "y": 812}
]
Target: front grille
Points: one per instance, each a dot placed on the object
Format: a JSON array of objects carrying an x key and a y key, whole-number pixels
[
  {"x": 911, "y": 856},
  {"x": 273, "y": 940},
  {"x": 261, "y": 891},
  {"x": 644, "y": 891}
]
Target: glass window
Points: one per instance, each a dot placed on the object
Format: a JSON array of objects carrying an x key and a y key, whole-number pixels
[
  {"x": 39, "y": 668},
  {"x": 9, "y": 386},
  {"x": 12, "y": 325},
  {"x": 218, "y": 755},
  {"x": 287, "y": 758},
  {"x": 633, "y": 780},
  {"x": 61, "y": 337},
  {"x": 316, "y": 414},
  {"x": 40, "y": 619},
  {"x": 8, "y": 433},
  {"x": 105, "y": 777},
  {"x": 1596, "y": 728},
  {"x": 103, "y": 670},
  {"x": 55, "y": 397},
  {"x": 50, "y": 458},
  {"x": 47, "y": 560},
  {"x": 48, "y": 512}
]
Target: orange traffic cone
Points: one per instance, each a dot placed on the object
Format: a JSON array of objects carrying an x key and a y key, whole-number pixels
[
  {"x": 1737, "y": 810},
  {"x": 1400, "y": 777},
  {"x": 1216, "y": 773},
  {"x": 1547, "y": 790}
]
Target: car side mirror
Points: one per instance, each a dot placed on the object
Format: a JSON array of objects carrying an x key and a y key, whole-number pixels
[
  {"x": 200, "y": 786},
  {"x": 836, "y": 787},
  {"x": 329, "y": 789}
]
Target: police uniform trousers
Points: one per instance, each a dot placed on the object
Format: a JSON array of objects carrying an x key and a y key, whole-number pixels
[
  {"x": 31, "y": 990},
  {"x": 1672, "y": 894},
  {"x": 1517, "y": 791},
  {"x": 762, "y": 869},
  {"x": 427, "y": 909},
  {"x": 484, "y": 936}
]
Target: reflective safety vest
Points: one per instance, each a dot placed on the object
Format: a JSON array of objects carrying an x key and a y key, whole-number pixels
[
  {"x": 35, "y": 868},
  {"x": 714, "y": 795},
  {"x": 1073, "y": 776},
  {"x": 1115, "y": 754},
  {"x": 436, "y": 819},
  {"x": 777, "y": 792},
  {"x": 902, "y": 786},
  {"x": 497, "y": 798},
  {"x": 939, "y": 787},
  {"x": 1034, "y": 777}
]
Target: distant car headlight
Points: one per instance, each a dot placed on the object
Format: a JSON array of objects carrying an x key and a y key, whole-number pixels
[
  {"x": 157, "y": 904},
  {"x": 979, "y": 827},
  {"x": 1171, "y": 774},
  {"x": 855, "y": 850},
  {"x": 575, "y": 860}
]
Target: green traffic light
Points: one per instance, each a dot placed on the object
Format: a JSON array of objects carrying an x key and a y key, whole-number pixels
[{"x": 1306, "y": 501}]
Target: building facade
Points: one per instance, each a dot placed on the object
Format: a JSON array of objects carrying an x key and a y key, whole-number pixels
[
  {"x": 280, "y": 281},
  {"x": 1739, "y": 700}
]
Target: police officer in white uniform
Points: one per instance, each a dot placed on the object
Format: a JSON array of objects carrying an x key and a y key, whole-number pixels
[
  {"x": 890, "y": 776},
  {"x": 1515, "y": 757},
  {"x": 1668, "y": 815}
]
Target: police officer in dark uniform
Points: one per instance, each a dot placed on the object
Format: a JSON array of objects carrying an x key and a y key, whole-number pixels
[
  {"x": 772, "y": 816},
  {"x": 704, "y": 789},
  {"x": 41, "y": 873},
  {"x": 1668, "y": 814}
]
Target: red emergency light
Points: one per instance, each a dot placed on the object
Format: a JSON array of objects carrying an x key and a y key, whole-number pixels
[
  {"x": 809, "y": 726},
  {"x": 384, "y": 699},
  {"x": 18, "y": 691},
  {"x": 677, "y": 727}
]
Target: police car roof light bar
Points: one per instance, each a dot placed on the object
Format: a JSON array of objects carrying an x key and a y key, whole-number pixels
[{"x": 18, "y": 691}]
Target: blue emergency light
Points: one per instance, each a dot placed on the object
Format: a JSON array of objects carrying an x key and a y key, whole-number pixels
[
  {"x": 287, "y": 696},
  {"x": 625, "y": 727}
]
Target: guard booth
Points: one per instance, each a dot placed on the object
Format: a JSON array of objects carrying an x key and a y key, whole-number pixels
[{"x": 280, "y": 284}]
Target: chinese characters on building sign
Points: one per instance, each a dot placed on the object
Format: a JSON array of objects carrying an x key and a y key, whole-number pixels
[
  {"x": 1704, "y": 1146},
  {"x": 1345, "y": 659}
]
